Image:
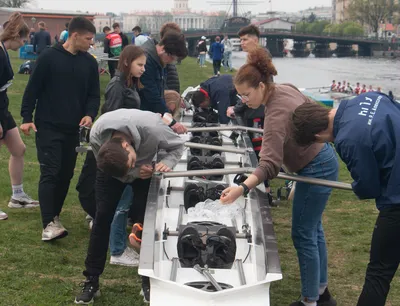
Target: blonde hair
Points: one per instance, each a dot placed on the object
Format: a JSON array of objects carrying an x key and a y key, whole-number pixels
[
  {"x": 172, "y": 97},
  {"x": 16, "y": 28}
]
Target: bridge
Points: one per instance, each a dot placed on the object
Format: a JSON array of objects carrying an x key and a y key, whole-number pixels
[{"x": 273, "y": 39}]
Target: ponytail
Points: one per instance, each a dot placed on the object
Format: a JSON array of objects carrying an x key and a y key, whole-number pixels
[
  {"x": 258, "y": 69},
  {"x": 16, "y": 28}
]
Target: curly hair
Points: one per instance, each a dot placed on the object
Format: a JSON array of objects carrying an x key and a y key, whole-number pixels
[{"x": 258, "y": 69}]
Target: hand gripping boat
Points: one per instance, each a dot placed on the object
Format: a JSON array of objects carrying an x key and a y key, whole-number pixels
[{"x": 194, "y": 261}]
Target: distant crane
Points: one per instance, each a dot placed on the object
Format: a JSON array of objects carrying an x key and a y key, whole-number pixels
[{"x": 235, "y": 4}]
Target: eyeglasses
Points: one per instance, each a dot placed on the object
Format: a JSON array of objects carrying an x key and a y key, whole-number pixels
[{"x": 246, "y": 98}]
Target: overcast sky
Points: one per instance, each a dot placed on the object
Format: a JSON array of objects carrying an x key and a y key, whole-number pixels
[{"x": 118, "y": 6}]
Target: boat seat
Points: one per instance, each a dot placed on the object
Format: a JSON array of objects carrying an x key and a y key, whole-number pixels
[
  {"x": 206, "y": 115},
  {"x": 214, "y": 246},
  {"x": 194, "y": 194},
  {"x": 214, "y": 162}
]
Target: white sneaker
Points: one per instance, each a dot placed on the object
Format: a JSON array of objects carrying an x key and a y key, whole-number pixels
[
  {"x": 23, "y": 201},
  {"x": 3, "y": 215},
  {"x": 90, "y": 224},
  {"x": 53, "y": 231},
  {"x": 133, "y": 252},
  {"x": 58, "y": 223},
  {"x": 128, "y": 258}
]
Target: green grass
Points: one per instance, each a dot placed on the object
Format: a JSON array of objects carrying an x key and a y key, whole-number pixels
[{"x": 35, "y": 273}]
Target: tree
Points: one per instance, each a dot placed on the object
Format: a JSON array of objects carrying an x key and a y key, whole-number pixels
[
  {"x": 312, "y": 18},
  {"x": 14, "y": 3},
  {"x": 353, "y": 29},
  {"x": 317, "y": 27},
  {"x": 372, "y": 12}
]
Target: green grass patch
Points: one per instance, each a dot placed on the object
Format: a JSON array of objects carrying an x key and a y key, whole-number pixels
[{"x": 36, "y": 273}]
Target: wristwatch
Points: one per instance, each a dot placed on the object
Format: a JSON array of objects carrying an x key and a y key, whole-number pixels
[{"x": 246, "y": 189}]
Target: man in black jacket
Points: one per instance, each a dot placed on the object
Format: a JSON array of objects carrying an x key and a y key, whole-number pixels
[
  {"x": 167, "y": 51},
  {"x": 64, "y": 88},
  {"x": 42, "y": 39}
]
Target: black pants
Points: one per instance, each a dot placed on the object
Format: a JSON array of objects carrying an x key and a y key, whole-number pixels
[
  {"x": 108, "y": 193},
  {"x": 217, "y": 66},
  {"x": 57, "y": 158},
  {"x": 86, "y": 183},
  {"x": 112, "y": 66},
  {"x": 384, "y": 258}
]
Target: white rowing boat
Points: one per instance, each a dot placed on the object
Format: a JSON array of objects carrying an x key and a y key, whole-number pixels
[{"x": 174, "y": 275}]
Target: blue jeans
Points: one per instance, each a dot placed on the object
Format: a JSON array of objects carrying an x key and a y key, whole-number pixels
[
  {"x": 228, "y": 60},
  {"x": 202, "y": 59},
  {"x": 118, "y": 235},
  {"x": 307, "y": 233}
]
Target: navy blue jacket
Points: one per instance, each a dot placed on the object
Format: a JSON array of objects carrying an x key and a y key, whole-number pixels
[
  {"x": 41, "y": 41},
  {"x": 217, "y": 51},
  {"x": 152, "y": 95},
  {"x": 366, "y": 131},
  {"x": 222, "y": 94}
]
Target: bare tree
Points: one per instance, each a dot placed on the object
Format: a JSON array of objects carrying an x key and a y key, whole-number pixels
[
  {"x": 14, "y": 3},
  {"x": 372, "y": 12}
]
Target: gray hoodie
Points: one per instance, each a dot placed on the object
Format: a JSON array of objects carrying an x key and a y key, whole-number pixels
[{"x": 148, "y": 133}]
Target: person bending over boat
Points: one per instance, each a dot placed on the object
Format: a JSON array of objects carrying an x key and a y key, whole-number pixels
[
  {"x": 365, "y": 131},
  {"x": 278, "y": 148},
  {"x": 121, "y": 92},
  {"x": 124, "y": 143},
  {"x": 217, "y": 92}
]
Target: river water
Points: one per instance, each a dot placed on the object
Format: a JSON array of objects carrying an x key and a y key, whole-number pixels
[{"x": 319, "y": 72}]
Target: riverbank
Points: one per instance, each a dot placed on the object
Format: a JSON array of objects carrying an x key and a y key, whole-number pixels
[{"x": 36, "y": 273}]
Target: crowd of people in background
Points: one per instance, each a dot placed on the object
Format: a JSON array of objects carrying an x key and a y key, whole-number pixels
[
  {"x": 346, "y": 87},
  {"x": 139, "y": 119},
  {"x": 220, "y": 52}
]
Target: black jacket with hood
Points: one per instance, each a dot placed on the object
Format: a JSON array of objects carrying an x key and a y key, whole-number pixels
[
  {"x": 63, "y": 88},
  {"x": 152, "y": 95}
]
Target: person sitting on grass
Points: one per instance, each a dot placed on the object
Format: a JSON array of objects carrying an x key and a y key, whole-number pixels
[
  {"x": 366, "y": 131},
  {"x": 125, "y": 143}
]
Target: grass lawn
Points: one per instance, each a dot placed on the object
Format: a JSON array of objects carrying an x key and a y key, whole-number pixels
[{"x": 37, "y": 273}]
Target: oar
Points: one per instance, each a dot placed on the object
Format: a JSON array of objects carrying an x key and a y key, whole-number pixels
[{"x": 311, "y": 88}]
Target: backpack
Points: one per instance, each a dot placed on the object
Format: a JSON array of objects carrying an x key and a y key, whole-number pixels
[{"x": 115, "y": 44}]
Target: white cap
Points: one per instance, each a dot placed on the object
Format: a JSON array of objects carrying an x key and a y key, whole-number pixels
[{"x": 203, "y": 37}]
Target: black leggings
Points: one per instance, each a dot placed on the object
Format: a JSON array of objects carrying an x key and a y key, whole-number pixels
[{"x": 384, "y": 258}]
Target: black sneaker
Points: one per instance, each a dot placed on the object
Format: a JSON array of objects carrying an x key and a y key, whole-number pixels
[
  {"x": 192, "y": 195},
  {"x": 90, "y": 290},
  {"x": 145, "y": 292},
  {"x": 221, "y": 249},
  {"x": 189, "y": 248},
  {"x": 326, "y": 299}
]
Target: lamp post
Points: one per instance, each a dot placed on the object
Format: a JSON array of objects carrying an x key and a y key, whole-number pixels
[{"x": 33, "y": 21}]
